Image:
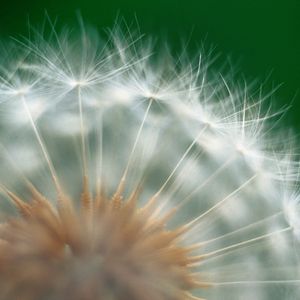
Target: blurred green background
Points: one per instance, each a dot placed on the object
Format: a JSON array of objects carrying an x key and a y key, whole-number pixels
[{"x": 262, "y": 36}]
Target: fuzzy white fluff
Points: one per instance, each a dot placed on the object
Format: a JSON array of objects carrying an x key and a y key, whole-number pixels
[{"x": 75, "y": 102}]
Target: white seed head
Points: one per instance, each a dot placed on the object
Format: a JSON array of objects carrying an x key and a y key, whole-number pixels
[{"x": 140, "y": 176}]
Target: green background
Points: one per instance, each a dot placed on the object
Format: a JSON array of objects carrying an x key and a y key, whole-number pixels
[{"x": 262, "y": 36}]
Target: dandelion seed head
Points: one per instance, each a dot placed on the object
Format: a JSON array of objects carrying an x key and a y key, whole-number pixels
[{"x": 130, "y": 173}]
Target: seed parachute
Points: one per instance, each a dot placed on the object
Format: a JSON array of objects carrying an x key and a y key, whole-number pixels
[{"x": 129, "y": 173}]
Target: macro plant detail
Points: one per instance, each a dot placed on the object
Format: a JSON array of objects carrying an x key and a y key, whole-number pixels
[{"x": 131, "y": 173}]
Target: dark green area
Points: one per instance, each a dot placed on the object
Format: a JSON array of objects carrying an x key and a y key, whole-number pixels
[{"x": 263, "y": 36}]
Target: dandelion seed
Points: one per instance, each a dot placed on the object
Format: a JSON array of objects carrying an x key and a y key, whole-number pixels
[{"x": 136, "y": 176}]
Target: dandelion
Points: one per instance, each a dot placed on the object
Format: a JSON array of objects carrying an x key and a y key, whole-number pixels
[{"x": 129, "y": 174}]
